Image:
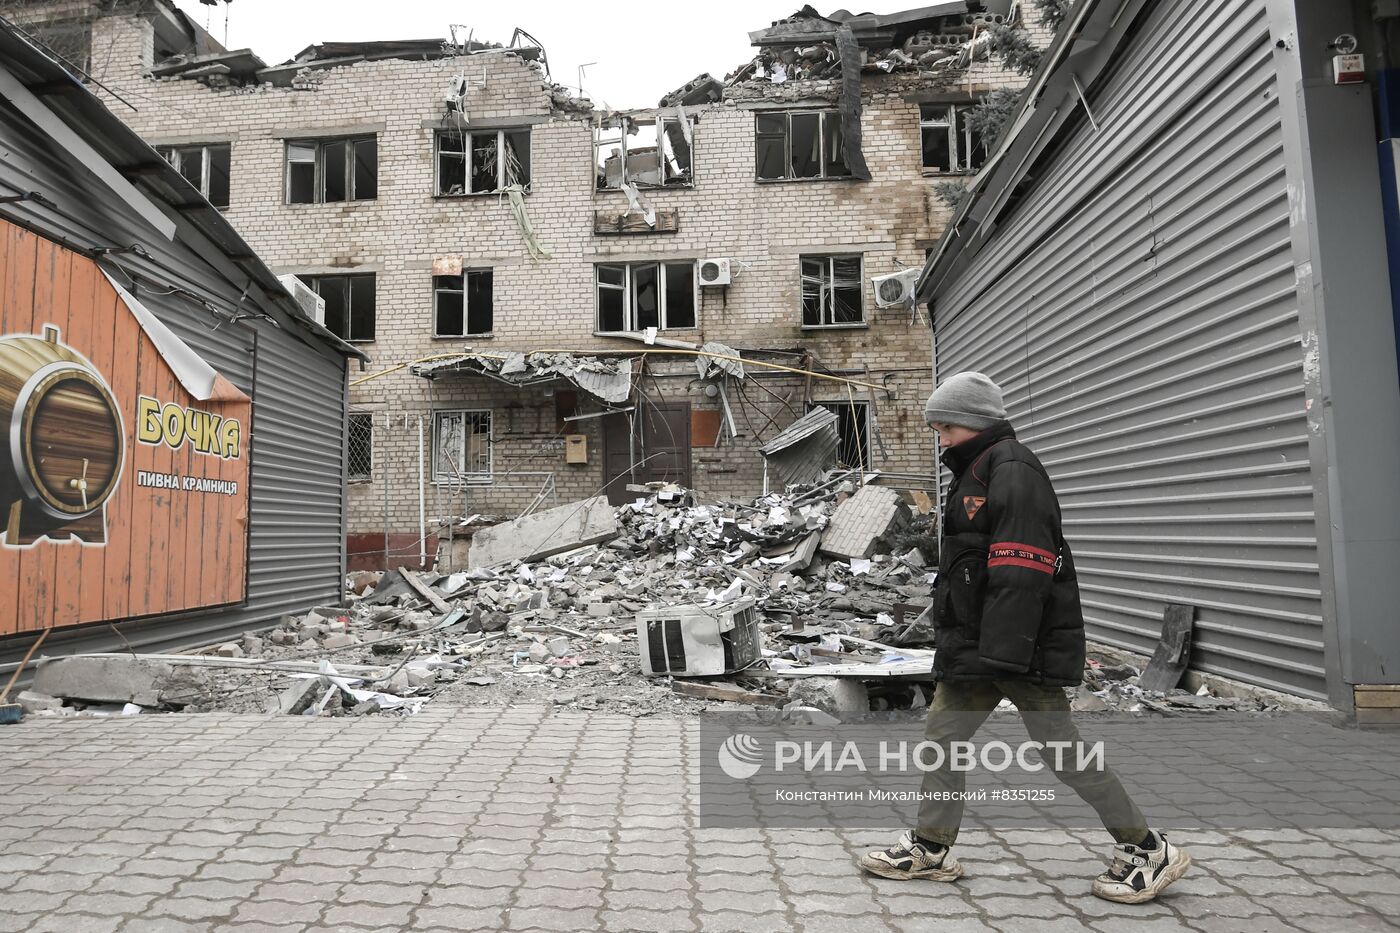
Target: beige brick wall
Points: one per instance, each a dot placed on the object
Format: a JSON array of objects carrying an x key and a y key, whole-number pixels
[{"x": 890, "y": 220}]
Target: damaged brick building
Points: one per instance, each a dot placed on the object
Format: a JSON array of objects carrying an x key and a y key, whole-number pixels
[{"x": 557, "y": 297}]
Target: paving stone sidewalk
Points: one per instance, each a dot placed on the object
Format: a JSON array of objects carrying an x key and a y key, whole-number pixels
[{"x": 528, "y": 819}]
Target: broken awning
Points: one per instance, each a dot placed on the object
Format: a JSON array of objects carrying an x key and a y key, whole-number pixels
[
  {"x": 196, "y": 376},
  {"x": 806, "y": 449},
  {"x": 609, "y": 380}
]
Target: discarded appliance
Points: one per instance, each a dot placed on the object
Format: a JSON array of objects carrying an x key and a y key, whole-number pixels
[{"x": 698, "y": 641}]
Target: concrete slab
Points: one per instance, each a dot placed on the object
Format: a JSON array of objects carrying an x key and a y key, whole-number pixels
[
  {"x": 859, "y": 523},
  {"x": 120, "y": 680},
  {"x": 553, "y": 531}
]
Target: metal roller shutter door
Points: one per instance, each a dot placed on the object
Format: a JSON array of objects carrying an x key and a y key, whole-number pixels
[{"x": 1139, "y": 308}]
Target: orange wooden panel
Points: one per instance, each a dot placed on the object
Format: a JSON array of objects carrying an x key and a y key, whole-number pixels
[
  {"x": 704, "y": 427},
  {"x": 100, "y": 328},
  {"x": 160, "y": 549},
  {"x": 65, "y": 587}
]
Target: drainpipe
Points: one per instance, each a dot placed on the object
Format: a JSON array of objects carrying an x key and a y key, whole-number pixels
[{"x": 422, "y": 503}]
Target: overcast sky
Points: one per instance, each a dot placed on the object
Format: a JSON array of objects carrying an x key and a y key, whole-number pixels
[{"x": 641, "y": 50}]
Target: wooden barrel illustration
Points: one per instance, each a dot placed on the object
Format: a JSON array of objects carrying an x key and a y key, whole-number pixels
[{"x": 63, "y": 442}]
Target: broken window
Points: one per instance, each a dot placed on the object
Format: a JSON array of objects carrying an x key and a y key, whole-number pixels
[
  {"x": 462, "y": 446},
  {"x": 831, "y": 291},
  {"x": 329, "y": 170},
  {"x": 950, "y": 144},
  {"x": 638, "y": 295},
  {"x": 206, "y": 167},
  {"x": 646, "y": 152},
  {"x": 853, "y": 433},
  {"x": 349, "y": 303},
  {"x": 799, "y": 144},
  {"x": 491, "y": 160},
  {"x": 360, "y": 447},
  {"x": 462, "y": 304}
]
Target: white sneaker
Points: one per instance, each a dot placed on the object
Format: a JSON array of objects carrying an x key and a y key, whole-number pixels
[
  {"x": 1138, "y": 875},
  {"x": 909, "y": 859}
]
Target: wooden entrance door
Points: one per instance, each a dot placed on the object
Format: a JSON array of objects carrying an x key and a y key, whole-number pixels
[{"x": 658, "y": 436}]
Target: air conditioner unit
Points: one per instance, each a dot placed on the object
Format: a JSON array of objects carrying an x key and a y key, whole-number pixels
[
  {"x": 896, "y": 289},
  {"x": 312, "y": 304},
  {"x": 697, "y": 641},
  {"x": 714, "y": 272}
]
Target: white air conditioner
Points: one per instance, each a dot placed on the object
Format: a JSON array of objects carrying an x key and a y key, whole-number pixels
[
  {"x": 714, "y": 272},
  {"x": 312, "y": 304},
  {"x": 896, "y": 289}
]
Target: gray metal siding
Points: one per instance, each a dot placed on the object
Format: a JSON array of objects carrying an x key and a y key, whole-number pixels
[
  {"x": 297, "y": 520},
  {"x": 297, "y": 513},
  {"x": 1139, "y": 307}
]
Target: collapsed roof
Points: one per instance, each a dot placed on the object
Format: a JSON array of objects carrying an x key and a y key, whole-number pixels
[{"x": 242, "y": 66}]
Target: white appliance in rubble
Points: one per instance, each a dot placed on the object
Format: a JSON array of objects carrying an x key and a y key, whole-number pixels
[
  {"x": 895, "y": 290},
  {"x": 714, "y": 272},
  {"x": 696, "y": 641},
  {"x": 312, "y": 304}
]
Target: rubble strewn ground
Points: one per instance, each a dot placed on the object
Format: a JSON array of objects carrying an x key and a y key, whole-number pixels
[{"x": 839, "y": 633}]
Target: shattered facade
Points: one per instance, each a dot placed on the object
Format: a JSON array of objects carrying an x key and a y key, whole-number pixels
[{"x": 456, "y": 209}]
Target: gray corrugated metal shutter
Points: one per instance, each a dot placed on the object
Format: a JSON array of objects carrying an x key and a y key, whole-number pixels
[
  {"x": 298, "y": 537},
  {"x": 1139, "y": 307}
]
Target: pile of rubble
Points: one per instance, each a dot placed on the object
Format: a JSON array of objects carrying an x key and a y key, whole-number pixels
[{"x": 813, "y": 601}]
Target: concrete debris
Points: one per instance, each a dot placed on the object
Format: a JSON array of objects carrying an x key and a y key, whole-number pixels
[
  {"x": 864, "y": 522},
  {"x": 544, "y": 534},
  {"x": 32, "y": 702},
  {"x": 621, "y": 622},
  {"x": 119, "y": 680}
]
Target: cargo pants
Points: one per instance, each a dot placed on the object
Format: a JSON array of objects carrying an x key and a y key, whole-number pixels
[{"x": 959, "y": 709}]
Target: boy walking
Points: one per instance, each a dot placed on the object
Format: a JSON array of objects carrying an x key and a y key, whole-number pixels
[{"x": 1008, "y": 624}]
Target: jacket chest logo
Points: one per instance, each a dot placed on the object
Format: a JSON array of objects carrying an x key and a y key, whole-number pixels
[{"x": 972, "y": 505}]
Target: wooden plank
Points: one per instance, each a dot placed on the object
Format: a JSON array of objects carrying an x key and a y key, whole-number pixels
[
  {"x": 21, "y": 285},
  {"x": 9, "y": 556},
  {"x": 624, "y": 223},
  {"x": 126, "y": 347},
  {"x": 725, "y": 692},
  {"x": 436, "y": 601},
  {"x": 1368, "y": 698},
  {"x": 70, "y": 313},
  {"x": 102, "y": 325},
  {"x": 1378, "y": 717}
]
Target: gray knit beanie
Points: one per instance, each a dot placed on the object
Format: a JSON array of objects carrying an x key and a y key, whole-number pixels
[{"x": 971, "y": 400}]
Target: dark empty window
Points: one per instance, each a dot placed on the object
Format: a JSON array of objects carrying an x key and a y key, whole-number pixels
[
  {"x": 799, "y": 144},
  {"x": 949, "y": 141},
  {"x": 853, "y": 431},
  {"x": 462, "y": 304},
  {"x": 349, "y": 303},
  {"x": 360, "y": 448},
  {"x": 647, "y": 153},
  {"x": 329, "y": 170},
  {"x": 491, "y": 160},
  {"x": 831, "y": 291},
  {"x": 638, "y": 295},
  {"x": 206, "y": 167}
]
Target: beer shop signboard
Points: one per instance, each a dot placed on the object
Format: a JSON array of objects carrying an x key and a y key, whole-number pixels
[{"x": 123, "y": 457}]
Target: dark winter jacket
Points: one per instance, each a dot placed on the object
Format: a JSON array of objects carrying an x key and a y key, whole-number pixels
[{"x": 1006, "y": 601}]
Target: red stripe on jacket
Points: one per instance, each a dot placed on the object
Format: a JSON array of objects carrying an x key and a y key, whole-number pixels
[
  {"x": 1020, "y": 562},
  {"x": 1016, "y": 546}
]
